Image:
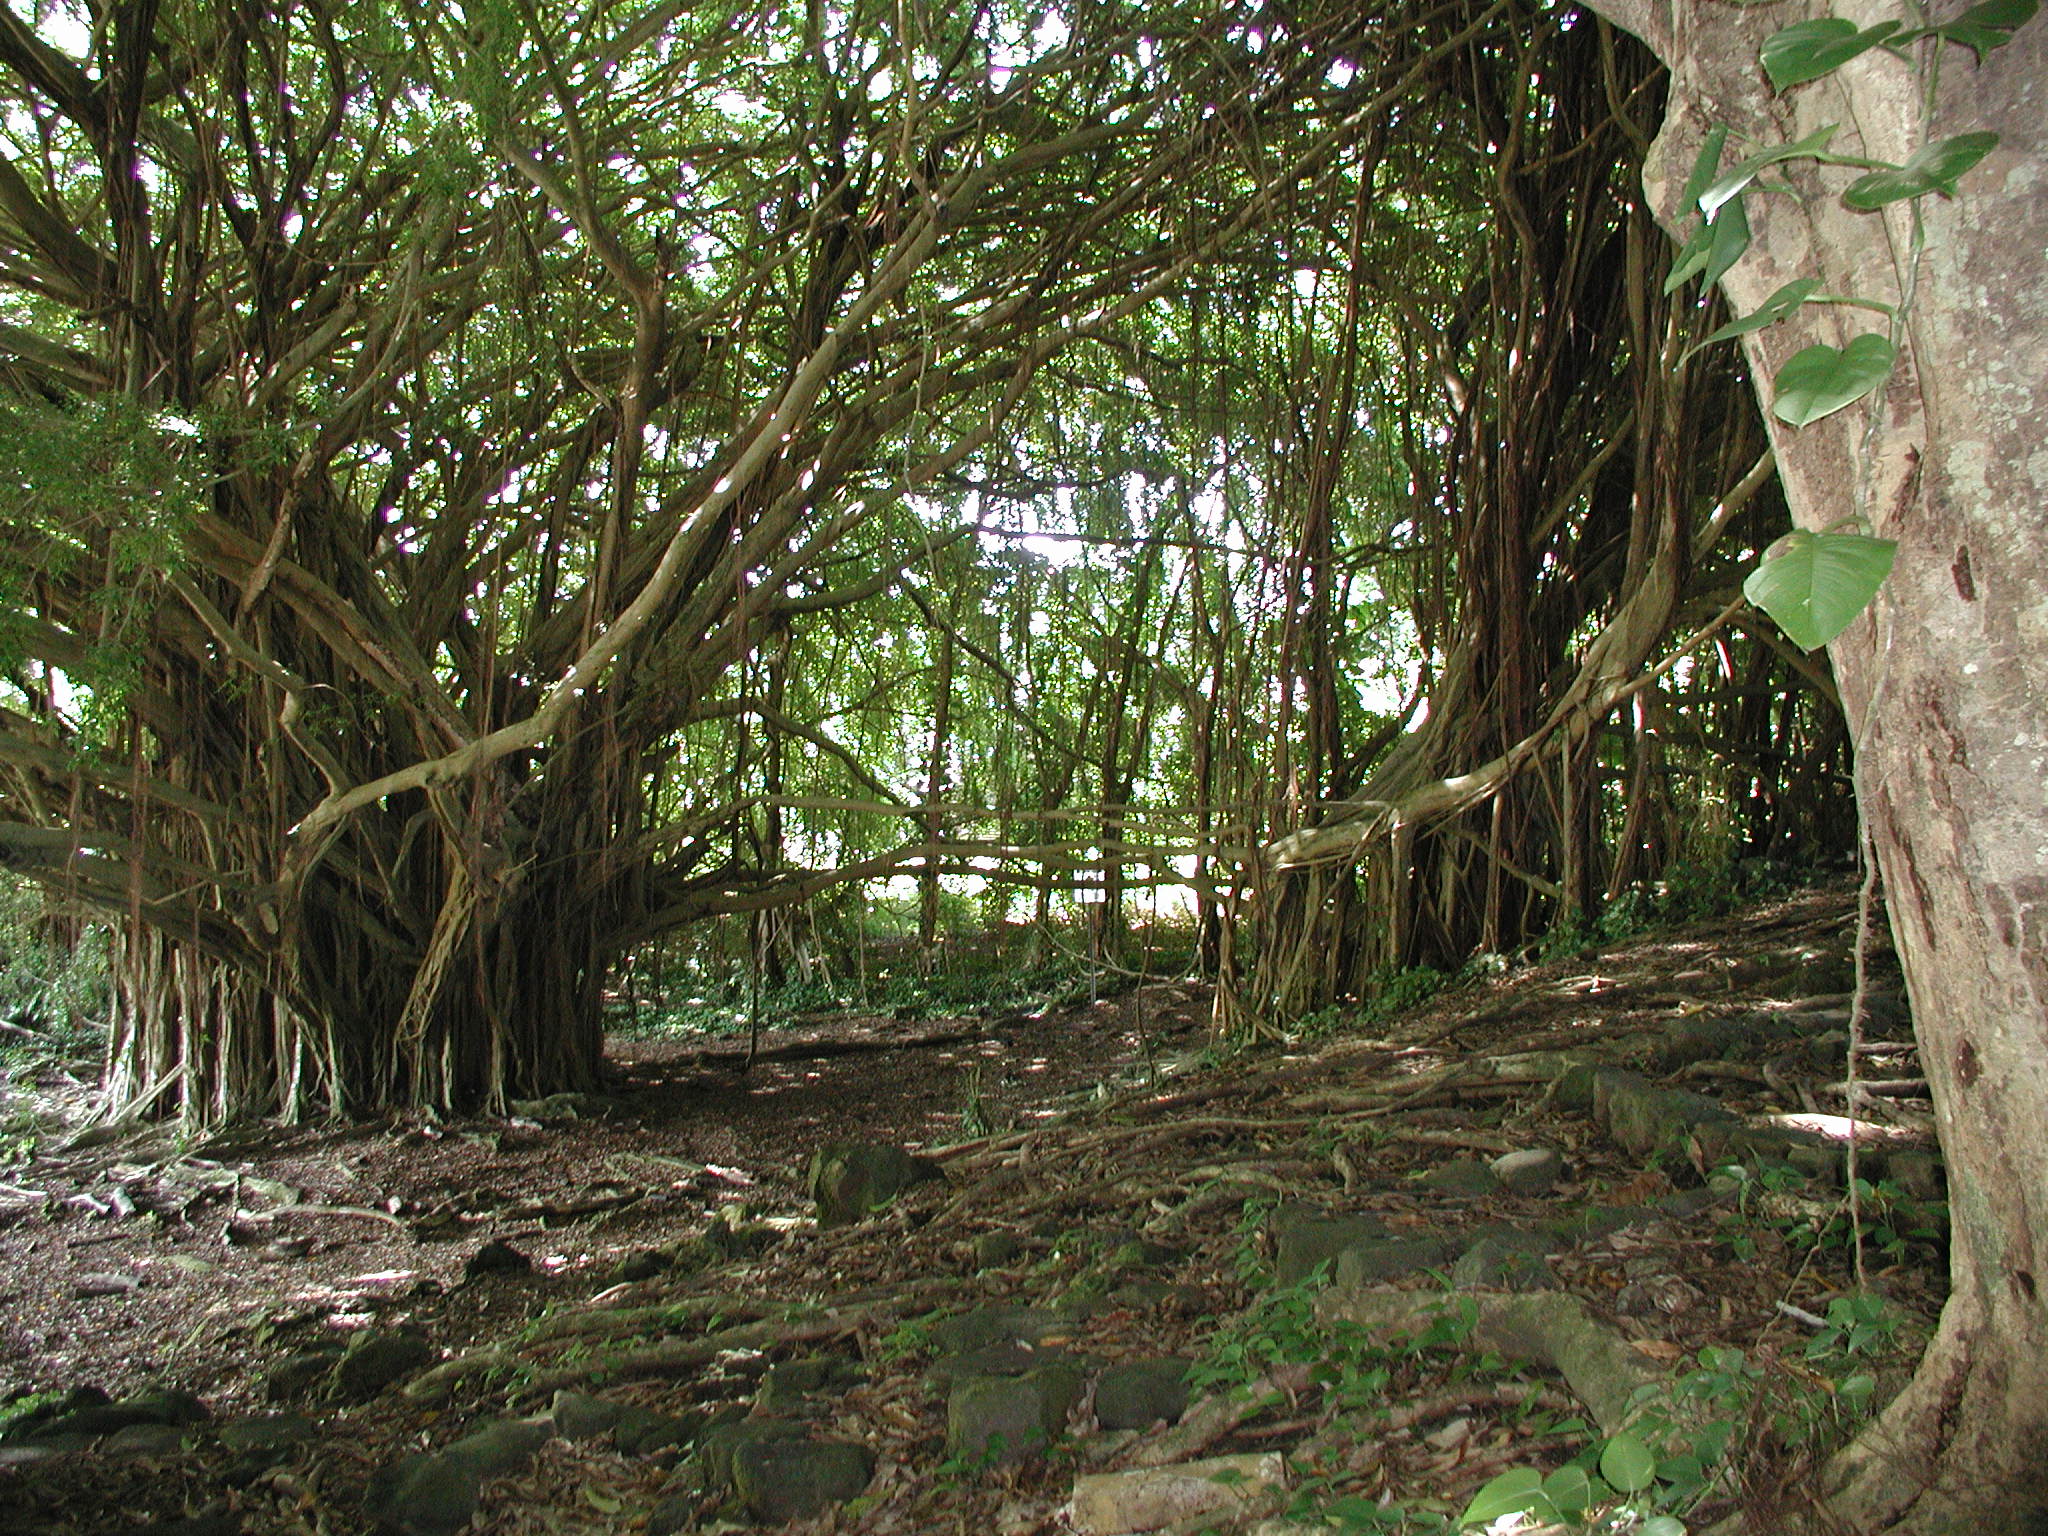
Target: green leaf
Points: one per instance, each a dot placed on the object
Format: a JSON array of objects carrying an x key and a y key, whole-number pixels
[
  {"x": 1515, "y": 1492},
  {"x": 1770, "y": 312},
  {"x": 1822, "y": 379},
  {"x": 1699, "y": 245},
  {"x": 1570, "y": 1490},
  {"x": 1744, "y": 171},
  {"x": 1806, "y": 50},
  {"x": 1731, "y": 239},
  {"x": 1815, "y": 584},
  {"x": 1932, "y": 168},
  {"x": 1705, "y": 164},
  {"x": 1982, "y": 27},
  {"x": 1627, "y": 1463},
  {"x": 1692, "y": 257},
  {"x": 1663, "y": 1525}
]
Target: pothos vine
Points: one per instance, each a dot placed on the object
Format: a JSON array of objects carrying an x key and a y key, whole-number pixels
[{"x": 1814, "y": 584}]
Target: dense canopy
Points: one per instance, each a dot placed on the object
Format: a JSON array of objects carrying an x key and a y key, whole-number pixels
[
  {"x": 504, "y": 494},
  {"x": 500, "y": 487}
]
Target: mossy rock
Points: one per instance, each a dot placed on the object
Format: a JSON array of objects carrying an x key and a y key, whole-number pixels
[
  {"x": 376, "y": 1360},
  {"x": 783, "y": 1480},
  {"x": 997, "y": 1419},
  {"x": 1139, "y": 1393},
  {"x": 1304, "y": 1238},
  {"x": 851, "y": 1180}
]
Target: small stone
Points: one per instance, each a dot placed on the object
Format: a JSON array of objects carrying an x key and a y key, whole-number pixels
[
  {"x": 562, "y": 1106},
  {"x": 1463, "y": 1176},
  {"x": 643, "y": 1265},
  {"x": 579, "y": 1416},
  {"x": 145, "y": 1440},
  {"x": 92, "y": 1420},
  {"x": 376, "y": 1360},
  {"x": 29, "y": 1421},
  {"x": 1139, "y": 1393},
  {"x": 1504, "y": 1257},
  {"x": 992, "y": 1250},
  {"x": 1530, "y": 1171},
  {"x": 1304, "y": 1239},
  {"x": 218, "y": 1523},
  {"x": 1918, "y": 1174},
  {"x": 1007, "y": 1357},
  {"x": 997, "y": 1325},
  {"x": 790, "y": 1381},
  {"x": 784, "y": 1480},
  {"x": 297, "y": 1374},
  {"x": 1141, "y": 1253},
  {"x": 266, "y": 1433},
  {"x": 1142, "y": 1295},
  {"x": 1221, "y": 1493},
  {"x": 497, "y": 1257},
  {"x": 673, "y": 1513},
  {"x": 850, "y": 1180},
  {"x": 642, "y": 1431},
  {"x": 1644, "y": 1119},
  {"x": 89, "y": 1287},
  {"x": 435, "y": 1494},
  {"x": 1005, "y": 1418},
  {"x": 719, "y": 1446},
  {"x": 1389, "y": 1258},
  {"x": 260, "y": 1445}
]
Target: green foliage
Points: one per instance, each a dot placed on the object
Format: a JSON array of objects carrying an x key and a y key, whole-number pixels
[
  {"x": 1806, "y": 50},
  {"x": 1650, "y": 1476},
  {"x": 1770, "y": 312},
  {"x": 54, "y": 977},
  {"x": 1815, "y": 584},
  {"x": 1820, "y": 380},
  {"x": 1982, "y": 27},
  {"x": 1931, "y": 168},
  {"x": 711, "y": 992},
  {"x": 1861, "y": 1324},
  {"x": 101, "y": 494},
  {"x": 1882, "y": 1217},
  {"x": 1399, "y": 991}
]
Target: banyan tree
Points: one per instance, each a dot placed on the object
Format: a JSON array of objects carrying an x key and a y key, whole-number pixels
[
  {"x": 420, "y": 423},
  {"x": 495, "y": 492}
]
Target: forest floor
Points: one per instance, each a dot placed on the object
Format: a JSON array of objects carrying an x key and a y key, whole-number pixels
[{"x": 1114, "y": 1190}]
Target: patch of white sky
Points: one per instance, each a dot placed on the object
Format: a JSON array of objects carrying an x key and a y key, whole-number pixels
[{"x": 1014, "y": 48}]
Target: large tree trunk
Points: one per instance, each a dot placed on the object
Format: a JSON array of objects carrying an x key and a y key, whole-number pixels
[{"x": 1941, "y": 682}]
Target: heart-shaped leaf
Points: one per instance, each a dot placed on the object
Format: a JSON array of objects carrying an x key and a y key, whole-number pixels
[
  {"x": 1744, "y": 171},
  {"x": 1516, "y": 1492},
  {"x": 1932, "y": 168},
  {"x": 1982, "y": 27},
  {"x": 1806, "y": 50},
  {"x": 1627, "y": 1463},
  {"x": 1822, "y": 379},
  {"x": 1814, "y": 585},
  {"x": 1770, "y": 312},
  {"x": 1570, "y": 1491}
]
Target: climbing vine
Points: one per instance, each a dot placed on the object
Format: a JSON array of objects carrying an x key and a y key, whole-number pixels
[{"x": 1815, "y": 584}]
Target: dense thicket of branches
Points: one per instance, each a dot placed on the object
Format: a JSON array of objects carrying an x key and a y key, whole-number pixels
[{"x": 495, "y": 493}]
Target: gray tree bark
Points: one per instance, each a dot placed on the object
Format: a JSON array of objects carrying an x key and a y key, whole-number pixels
[{"x": 1945, "y": 680}]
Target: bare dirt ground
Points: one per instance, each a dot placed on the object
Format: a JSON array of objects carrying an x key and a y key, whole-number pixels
[{"x": 152, "y": 1262}]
